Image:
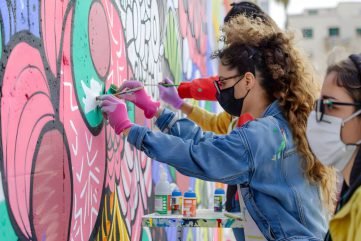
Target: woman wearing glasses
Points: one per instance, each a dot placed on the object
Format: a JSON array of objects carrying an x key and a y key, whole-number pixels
[
  {"x": 334, "y": 134},
  {"x": 280, "y": 179}
]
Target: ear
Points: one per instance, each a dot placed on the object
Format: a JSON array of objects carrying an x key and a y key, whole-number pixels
[{"x": 250, "y": 80}]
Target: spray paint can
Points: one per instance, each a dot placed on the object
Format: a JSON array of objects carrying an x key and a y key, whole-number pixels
[
  {"x": 219, "y": 199},
  {"x": 162, "y": 194},
  {"x": 112, "y": 89},
  {"x": 176, "y": 202},
  {"x": 189, "y": 204}
]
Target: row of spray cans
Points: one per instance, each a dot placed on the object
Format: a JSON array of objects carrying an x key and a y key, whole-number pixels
[{"x": 169, "y": 200}]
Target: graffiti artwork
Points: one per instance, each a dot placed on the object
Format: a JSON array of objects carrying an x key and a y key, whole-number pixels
[{"x": 64, "y": 174}]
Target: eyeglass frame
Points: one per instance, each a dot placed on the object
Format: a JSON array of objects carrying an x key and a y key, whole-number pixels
[
  {"x": 320, "y": 107},
  {"x": 216, "y": 82}
]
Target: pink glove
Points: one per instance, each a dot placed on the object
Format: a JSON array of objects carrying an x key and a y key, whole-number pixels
[
  {"x": 140, "y": 98},
  {"x": 116, "y": 111},
  {"x": 170, "y": 94}
]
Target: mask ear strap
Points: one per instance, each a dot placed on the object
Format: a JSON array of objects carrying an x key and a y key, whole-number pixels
[
  {"x": 351, "y": 117},
  {"x": 244, "y": 97}
]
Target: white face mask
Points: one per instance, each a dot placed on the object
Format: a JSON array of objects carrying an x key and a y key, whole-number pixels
[{"x": 325, "y": 140}]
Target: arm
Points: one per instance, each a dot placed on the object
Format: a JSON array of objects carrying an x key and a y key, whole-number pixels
[
  {"x": 205, "y": 156},
  {"x": 194, "y": 153},
  {"x": 217, "y": 123},
  {"x": 199, "y": 89}
]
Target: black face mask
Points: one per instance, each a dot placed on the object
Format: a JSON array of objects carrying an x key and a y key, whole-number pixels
[{"x": 230, "y": 104}]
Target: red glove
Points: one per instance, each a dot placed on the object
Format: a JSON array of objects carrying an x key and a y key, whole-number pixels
[{"x": 199, "y": 89}]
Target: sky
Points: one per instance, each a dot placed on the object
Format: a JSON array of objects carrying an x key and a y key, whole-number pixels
[{"x": 297, "y": 6}]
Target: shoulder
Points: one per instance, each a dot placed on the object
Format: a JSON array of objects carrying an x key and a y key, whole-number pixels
[
  {"x": 267, "y": 133},
  {"x": 261, "y": 127},
  {"x": 348, "y": 219},
  {"x": 351, "y": 207}
]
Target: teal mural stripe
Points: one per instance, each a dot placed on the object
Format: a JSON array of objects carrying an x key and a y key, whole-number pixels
[
  {"x": 87, "y": 81},
  {"x": 6, "y": 229},
  {"x": 131, "y": 111}
]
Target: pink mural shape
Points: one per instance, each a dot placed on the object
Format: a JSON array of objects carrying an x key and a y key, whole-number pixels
[
  {"x": 87, "y": 152},
  {"x": 99, "y": 39},
  {"x": 51, "y": 193},
  {"x": 26, "y": 109},
  {"x": 52, "y": 14}
]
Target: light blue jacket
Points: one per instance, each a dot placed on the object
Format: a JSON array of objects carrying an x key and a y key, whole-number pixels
[{"x": 260, "y": 156}]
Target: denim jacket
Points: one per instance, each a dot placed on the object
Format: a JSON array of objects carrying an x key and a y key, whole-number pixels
[{"x": 260, "y": 156}]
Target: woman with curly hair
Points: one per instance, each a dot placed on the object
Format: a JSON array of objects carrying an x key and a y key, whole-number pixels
[{"x": 285, "y": 189}]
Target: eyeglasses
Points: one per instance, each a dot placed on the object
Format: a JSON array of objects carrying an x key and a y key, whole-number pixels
[
  {"x": 322, "y": 104},
  {"x": 218, "y": 83}
]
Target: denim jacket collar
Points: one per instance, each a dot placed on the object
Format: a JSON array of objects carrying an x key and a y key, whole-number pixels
[{"x": 273, "y": 109}]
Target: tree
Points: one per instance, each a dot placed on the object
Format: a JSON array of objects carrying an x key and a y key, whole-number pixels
[{"x": 285, "y": 4}]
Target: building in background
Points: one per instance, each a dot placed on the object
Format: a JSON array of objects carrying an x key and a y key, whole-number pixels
[{"x": 322, "y": 29}]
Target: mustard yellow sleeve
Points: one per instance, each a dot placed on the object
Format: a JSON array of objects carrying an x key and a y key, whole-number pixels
[
  {"x": 217, "y": 123},
  {"x": 345, "y": 225},
  {"x": 357, "y": 216}
]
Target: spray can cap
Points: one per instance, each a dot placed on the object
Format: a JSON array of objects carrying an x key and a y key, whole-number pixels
[
  {"x": 176, "y": 193},
  {"x": 219, "y": 191},
  {"x": 112, "y": 89},
  {"x": 190, "y": 194}
]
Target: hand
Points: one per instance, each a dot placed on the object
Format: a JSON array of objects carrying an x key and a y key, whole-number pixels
[
  {"x": 140, "y": 98},
  {"x": 170, "y": 94},
  {"x": 198, "y": 89},
  {"x": 116, "y": 112}
]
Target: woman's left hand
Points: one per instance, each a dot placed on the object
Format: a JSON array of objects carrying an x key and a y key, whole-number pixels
[{"x": 116, "y": 112}]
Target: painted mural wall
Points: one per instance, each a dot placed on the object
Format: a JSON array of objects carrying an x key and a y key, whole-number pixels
[{"x": 64, "y": 174}]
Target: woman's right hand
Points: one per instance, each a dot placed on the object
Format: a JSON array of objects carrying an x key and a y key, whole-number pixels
[
  {"x": 170, "y": 94},
  {"x": 140, "y": 98}
]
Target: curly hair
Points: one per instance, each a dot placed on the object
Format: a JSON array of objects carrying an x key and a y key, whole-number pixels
[
  {"x": 289, "y": 78},
  {"x": 251, "y": 11}
]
